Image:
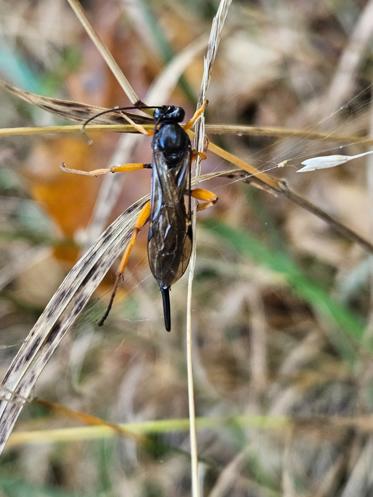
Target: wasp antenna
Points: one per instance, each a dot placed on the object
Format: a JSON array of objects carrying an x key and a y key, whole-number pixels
[
  {"x": 138, "y": 106},
  {"x": 165, "y": 291},
  {"x": 87, "y": 138}
]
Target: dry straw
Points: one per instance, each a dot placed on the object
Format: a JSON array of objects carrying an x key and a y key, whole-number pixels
[{"x": 199, "y": 142}]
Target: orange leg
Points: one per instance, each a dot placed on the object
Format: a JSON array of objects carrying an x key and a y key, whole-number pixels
[
  {"x": 122, "y": 168},
  {"x": 198, "y": 113},
  {"x": 201, "y": 155},
  {"x": 208, "y": 198},
  {"x": 141, "y": 220}
]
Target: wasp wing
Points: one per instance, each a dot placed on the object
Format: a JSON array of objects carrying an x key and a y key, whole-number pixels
[{"x": 170, "y": 235}]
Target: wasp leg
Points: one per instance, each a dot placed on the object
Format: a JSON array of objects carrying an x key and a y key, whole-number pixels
[
  {"x": 198, "y": 113},
  {"x": 201, "y": 155},
  {"x": 122, "y": 168},
  {"x": 208, "y": 198},
  {"x": 141, "y": 220}
]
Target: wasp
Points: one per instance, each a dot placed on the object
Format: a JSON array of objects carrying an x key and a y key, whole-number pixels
[{"x": 170, "y": 236}]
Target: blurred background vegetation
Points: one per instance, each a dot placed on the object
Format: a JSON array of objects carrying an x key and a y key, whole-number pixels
[{"x": 282, "y": 305}]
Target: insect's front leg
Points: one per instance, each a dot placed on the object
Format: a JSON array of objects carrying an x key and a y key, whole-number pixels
[
  {"x": 122, "y": 168},
  {"x": 141, "y": 220},
  {"x": 198, "y": 113},
  {"x": 208, "y": 198}
]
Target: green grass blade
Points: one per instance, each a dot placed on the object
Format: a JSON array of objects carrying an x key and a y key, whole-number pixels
[{"x": 303, "y": 286}]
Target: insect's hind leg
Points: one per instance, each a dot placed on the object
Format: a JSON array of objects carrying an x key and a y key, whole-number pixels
[
  {"x": 141, "y": 220},
  {"x": 122, "y": 168},
  {"x": 201, "y": 155},
  {"x": 208, "y": 198}
]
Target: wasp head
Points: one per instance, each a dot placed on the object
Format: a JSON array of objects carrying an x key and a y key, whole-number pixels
[{"x": 169, "y": 114}]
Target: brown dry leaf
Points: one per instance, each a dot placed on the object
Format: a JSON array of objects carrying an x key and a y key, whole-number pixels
[{"x": 67, "y": 198}]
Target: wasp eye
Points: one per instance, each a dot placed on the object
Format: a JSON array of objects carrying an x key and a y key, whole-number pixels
[
  {"x": 178, "y": 114},
  {"x": 158, "y": 113}
]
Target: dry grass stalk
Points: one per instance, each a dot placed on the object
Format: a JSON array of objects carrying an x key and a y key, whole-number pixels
[
  {"x": 59, "y": 315},
  {"x": 105, "y": 53},
  {"x": 199, "y": 145},
  {"x": 214, "y": 129},
  {"x": 100, "y": 429}
]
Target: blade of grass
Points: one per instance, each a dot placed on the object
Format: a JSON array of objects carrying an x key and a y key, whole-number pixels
[
  {"x": 303, "y": 286},
  {"x": 66, "y": 129},
  {"x": 260, "y": 422},
  {"x": 218, "y": 129},
  {"x": 59, "y": 315},
  {"x": 199, "y": 145},
  {"x": 279, "y": 132},
  {"x": 105, "y": 53},
  {"x": 75, "y": 111},
  {"x": 143, "y": 428}
]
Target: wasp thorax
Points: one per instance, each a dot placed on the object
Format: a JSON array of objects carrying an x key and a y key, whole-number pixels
[
  {"x": 169, "y": 113},
  {"x": 173, "y": 142}
]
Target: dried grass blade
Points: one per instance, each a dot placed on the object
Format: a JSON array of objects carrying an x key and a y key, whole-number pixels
[
  {"x": 105, "y": 53},
  {"x": 67, "y": 129},
  {"x": 69, "y": 109},
  {"x": 212, "y": 47},
  {"x": 59, "y": 315},
  {"x": 278, "y": 132},
  {"x": 214, "y": 129}
]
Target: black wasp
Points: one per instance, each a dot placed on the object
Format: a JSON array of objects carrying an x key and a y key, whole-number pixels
[{"x": 170, "y": 234}]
